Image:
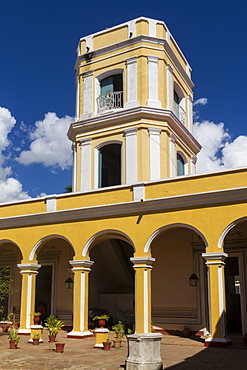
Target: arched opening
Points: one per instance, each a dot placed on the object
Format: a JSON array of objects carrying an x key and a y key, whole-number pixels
[
  {"x": 180, "y": 165},
  {"x": 109, "y": 165},
  {"x": 10, "y": 257},
  {"x": 52, "y": 296},
  {"x": 110, "y": 92},
  {"x": 175, "y": 303},
  {"x": 179, "y": 103},
  {"x": 235, "y": 245},
  {"x": 111, "y": 283}
]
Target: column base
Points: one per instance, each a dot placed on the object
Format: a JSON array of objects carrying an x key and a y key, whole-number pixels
[
  {"x": 144, "y": 352},
  {"x": 218, "y": 342},
  {"x": 101, "y": 336},
  {"x": 24, "y": 331},
  {"x": 79, "y": 334}
]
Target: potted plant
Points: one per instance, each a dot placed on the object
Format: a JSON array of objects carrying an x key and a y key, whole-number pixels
[
  {"x": 107, "y": 345},
  {"x": 36, "y": 338},
  {"x": 59, "y": 347},
  {"x": 119, "y": 333},
  {"x": 101, "y": 320},
  {"x": 14, "y": 339},
  {"x": 36, "y": 318},
  {"x": 53, "y": 324}
]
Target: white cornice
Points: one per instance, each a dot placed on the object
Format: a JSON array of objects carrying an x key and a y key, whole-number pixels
[
  {"x": 130, "y": 115},
  {"x": 212, "y": 198}
]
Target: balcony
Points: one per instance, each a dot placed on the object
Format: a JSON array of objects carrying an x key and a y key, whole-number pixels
[
  {"x": 110, "y": 100},
  {"x": 180, "y": 112}
]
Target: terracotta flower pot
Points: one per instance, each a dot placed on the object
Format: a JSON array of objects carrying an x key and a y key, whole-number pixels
[
  {"x": 36, "y": 341},
  {"x": 36, "y": 320},
  {"x": 107, "y": 346},
  {"x": 102, "y": 323},
  {"x": 52, "y": 338},
  {"x": 117, "y": 343},
  {"x": 12, "y": 344},
  {"x": 60, "y": 347}
]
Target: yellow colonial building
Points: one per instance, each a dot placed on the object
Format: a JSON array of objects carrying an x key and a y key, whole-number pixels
[{"x": 140, "y": 222}]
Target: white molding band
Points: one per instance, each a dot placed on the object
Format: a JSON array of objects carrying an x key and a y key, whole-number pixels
[
  {"x": 215, "y": 258},
  {"x": 138, "y": 192},
  {"x": 154, "y": 145},
  {"x": 131, "y": 155},
  {"x": 82, "y": 300},
  {"x": 131, "y": 64},
  {"x": 81, "y": 265},
  {"x": 221, "y": 288},
  {"x": 77, "y": 107},
  {"x": 142, "y": 262},
  {"x": 85, "y": 163},
  {"x": 51, "y": 203},
  {"x": 145, "y": 300},
  {"x": 153, "y": 82}
]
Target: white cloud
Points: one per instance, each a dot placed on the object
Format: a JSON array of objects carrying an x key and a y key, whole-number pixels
[
  {"x": 218, "y": 151},
  {"x": 10, "y": 188},
  {"x": 50, "y": 144},
  {"x": 201, "y": 101}
]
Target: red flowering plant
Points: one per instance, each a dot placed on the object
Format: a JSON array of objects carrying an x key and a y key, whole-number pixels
[{"x": 6, "y": 287}]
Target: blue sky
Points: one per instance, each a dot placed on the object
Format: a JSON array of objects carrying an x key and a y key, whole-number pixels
[{"x": 38, "y": 43}]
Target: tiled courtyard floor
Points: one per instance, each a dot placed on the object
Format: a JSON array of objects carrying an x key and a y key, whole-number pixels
[{"x": 177, "y": 353}]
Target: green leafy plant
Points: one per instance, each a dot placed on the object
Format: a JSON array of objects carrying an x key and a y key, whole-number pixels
[
  {"x": 36, "y": 336},
  {"x": 101, "y": 317},
  {"x": 36, "y": 314},
  {"x": 119, "y": 330},
  {"x": 53, "y": 324},
  {"x": 6, "y": 286},
  {"x": 13, "y": 335},
  {"x": 129, "y": 331}
]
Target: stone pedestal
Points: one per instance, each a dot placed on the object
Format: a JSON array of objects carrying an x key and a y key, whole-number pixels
[
  {"x": 101, "y": 336},
  {"x": 36, "y": 330},
  {"x": 144, "y": 352}
]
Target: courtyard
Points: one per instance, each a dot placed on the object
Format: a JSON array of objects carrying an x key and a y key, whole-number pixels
[{"x": 176, "y": 352}]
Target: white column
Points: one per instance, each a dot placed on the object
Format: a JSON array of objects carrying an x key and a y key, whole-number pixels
[
  {"x": 193, "y": 161},
  {"x": 29, "y": 272},
  {"x": 190, "y": 113},
  {"x": 81, "y": 271},
  {"x": 154, "y": 145},
  {"x": 85, "y": 163},
  {"x": 74, "y": 149},
  {"x": 131, "y": 155},
  {"x": 153, "y": 82},
  {"x": 173, "y": 157},
  {"x": 88, "y": 93},
  {"x": 131, "y": 64},
  {"x": 169, "y": 87}
]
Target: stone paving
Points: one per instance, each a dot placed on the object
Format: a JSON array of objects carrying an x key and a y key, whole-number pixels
[{"x": 177, "y": 353}]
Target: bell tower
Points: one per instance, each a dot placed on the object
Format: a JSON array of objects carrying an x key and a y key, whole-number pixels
[{"x": 134, "y": 117}]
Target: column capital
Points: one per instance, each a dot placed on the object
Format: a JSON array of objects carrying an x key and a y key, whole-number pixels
[
  {"x": 169, "y": 68},
  {"x": 85, "y": 141},
  {"x": 154, "y": 130},
  {"x": 142, "y": 262},
  {"x": 131, "y": 60},
  {"x": 29, "y": 268},
  {"x": 81, "y": 265},
  {"x": 87, "y": 74},
  {"x": 217, "y": 258},
  {"x": 130, "y": 131},
  {"x": 153, "y": 59},
  {"x": 172, "y": 138}
]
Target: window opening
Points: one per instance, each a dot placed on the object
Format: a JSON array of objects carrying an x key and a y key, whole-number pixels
[
  {"x": 180, "y": 165},
  {"x": 111, "y": 93},
  {"x": 110, "y": 165}
]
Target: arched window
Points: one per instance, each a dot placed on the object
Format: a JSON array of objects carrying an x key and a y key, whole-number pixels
[
  {"x": 178, "y": 104},
  {"x": 180, "y": 165},
  {"x": 110, "y": 93},
  {"x": 109, "y": 165}
]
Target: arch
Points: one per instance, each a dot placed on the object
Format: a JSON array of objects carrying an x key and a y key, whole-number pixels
[
  {"x": 227, "y": 229},
  {"x": 172, "y": 226},
  {"x": 4, "y": 241},
  {"x": 45, "y": 239},
  {"x": 106, "y": 234}
]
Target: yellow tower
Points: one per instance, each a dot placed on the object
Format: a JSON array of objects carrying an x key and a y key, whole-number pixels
[{"x": 133, "y": 108}]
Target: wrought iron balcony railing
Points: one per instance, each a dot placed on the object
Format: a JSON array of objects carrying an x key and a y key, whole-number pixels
[
  {"x": 180, "y": 112},
  {"x": 110, "y": 100}
]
